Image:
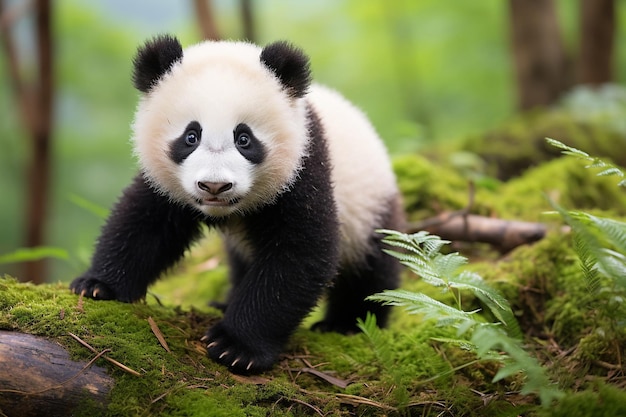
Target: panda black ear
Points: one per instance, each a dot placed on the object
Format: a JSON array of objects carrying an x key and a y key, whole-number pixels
[
  {"x": 154, "y": 59},
  {"x": 290, "y": 65}
]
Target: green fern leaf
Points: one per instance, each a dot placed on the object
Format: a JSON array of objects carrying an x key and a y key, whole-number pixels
[
  {"x": 497, "y": 304},
  {"x": 474, "y": 282},
  {"x": 587, "y": 263},
  {"x": 488, "y": 338},
  {"x": 447, "y": 266},
  {"x": 418, "y": 303},
  {"x": 610, "y": 171},
  {"x": 594, "y": 162},
  {"x": 568, "y": 150},
  {"x": 613, "y": 230}
]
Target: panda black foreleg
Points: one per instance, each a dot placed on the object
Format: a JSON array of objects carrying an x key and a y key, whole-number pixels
[
  {"x": 291, "y": 259},
  {"x": 284, "y": 281},
  {"x": 144, "y": 235}
]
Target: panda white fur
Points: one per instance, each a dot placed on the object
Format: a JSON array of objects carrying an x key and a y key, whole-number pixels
[{"x": 235, "y": 137}]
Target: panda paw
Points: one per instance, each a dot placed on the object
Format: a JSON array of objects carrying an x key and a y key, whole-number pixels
[
  {"x": 92, "y": 288},
  {"x": 239, "y": 357}
]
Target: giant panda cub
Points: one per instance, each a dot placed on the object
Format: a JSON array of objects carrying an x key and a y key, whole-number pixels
[{"x": 235, "y": 137}]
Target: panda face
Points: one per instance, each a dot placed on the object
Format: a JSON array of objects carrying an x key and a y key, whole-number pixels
[
  {"x": 219, "y": 132},
  {"x": 218, "y": 174}
]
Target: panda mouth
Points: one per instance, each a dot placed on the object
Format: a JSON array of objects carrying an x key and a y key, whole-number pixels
[{"x": 217, "y": 202}]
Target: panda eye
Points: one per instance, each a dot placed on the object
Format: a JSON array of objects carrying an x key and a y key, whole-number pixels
[
  {"x": 192, "y": 138},
  {"x": 243, "y": 140}
]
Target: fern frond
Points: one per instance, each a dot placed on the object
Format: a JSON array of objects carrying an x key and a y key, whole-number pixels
[
  {"x": 588, "y": 246},
  {"x": 423, "y": 256},
  {"x": 488, "y": 338},
  {"x": 616, "y": 263},
  {"x": 597, "y": 163},
  {"x": 611, "y": 170},
  {"x": 587, "y": 263},
  {"x": 418, "y": 303},
  {"x": 568, "y": 150},
  {"x": 462, "y": 343},
  {"x": 497, "y": 304},
  {"x": 613, "y": 230},
  {"x": 474, "y": 282},
  {"x": 447, "y": 266},
  {"x": 384, "y": 355}
]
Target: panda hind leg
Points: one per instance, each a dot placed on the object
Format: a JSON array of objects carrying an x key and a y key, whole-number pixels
[
  {"x": 346, "y": 299},
  {"x": 376, "y": 272}
]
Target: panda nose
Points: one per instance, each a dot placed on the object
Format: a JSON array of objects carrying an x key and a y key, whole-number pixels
[{"x": 214, "y": 188}]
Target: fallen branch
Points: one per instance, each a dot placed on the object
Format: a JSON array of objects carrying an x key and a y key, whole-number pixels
[{"x": 502, "y": 234}]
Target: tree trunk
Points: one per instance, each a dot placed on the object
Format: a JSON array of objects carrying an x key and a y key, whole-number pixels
[
  {"x": 539, "y": 55},
  {"x": 206, "y": 19},
  {"x": 247, "y": 18},
  {"x": 39, "y": 170},
  {"x": 35, "y": 104},
  {"x": 597, "y": 34}
]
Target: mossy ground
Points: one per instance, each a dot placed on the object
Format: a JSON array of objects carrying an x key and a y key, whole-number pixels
[{"x": 574, "y": 333}]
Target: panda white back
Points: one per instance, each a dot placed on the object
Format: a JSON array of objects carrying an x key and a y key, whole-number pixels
[{"x": 363, "y": 179}]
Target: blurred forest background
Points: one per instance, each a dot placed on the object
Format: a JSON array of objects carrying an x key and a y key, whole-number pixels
[{"x": 427, "y": 72}]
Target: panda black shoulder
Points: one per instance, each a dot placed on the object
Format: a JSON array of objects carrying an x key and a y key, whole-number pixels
[{"x": 309, "y": 202}]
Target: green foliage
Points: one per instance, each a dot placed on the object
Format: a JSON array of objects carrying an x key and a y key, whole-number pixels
[
  {"x": 602, "y": 401},
  {"x": 594, "y": 162},
  {"x": 423, "y": 256},
  {"x": 513, "y": 147},
  {"x": 33, "y": 254},
  {"x": 93, "y": 208},
  {"x": 384, "y": 354},
  {"x": 490, "y": 339},
  {"x": 421, "y": 253},
  {"x": 600, "y": 244}
]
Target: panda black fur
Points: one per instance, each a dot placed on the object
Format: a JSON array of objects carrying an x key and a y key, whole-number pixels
[{"x": 235, "y": 137}]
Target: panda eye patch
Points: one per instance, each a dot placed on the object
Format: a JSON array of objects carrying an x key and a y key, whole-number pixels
[
  {"x": 186, "y": 143},
  {"x": 248, "y": 144}
]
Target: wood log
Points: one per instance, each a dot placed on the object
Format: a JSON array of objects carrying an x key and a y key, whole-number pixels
[
  {"x": 503, "y": 235},
  {"x": 38, "y": 378}
]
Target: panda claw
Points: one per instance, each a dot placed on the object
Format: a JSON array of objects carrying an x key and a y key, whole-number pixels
[
  {"x": 249, "y": 365},
  {"x": 235, "y": 362},
  {"x": 210, "y": 345},
  {"x": 223, "y": 354},
  {"x": 204, "y": 338},
  {"x": 95, "y": 292}
]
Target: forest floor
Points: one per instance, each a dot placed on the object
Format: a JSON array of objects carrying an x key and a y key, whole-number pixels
[{"x": 576, "y": 335}]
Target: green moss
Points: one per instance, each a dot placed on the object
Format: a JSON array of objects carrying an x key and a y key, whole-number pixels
[
  {"x": 186, "y": 382},
  {"x": 519, "y": 144},
  {"x": 563, "y": 180},
  {"x": 427, "y": 188},
  {"x": 603, "y": 401},
  {"x": 557, "y": 310},
  {"x": 542, "y": 281}
]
